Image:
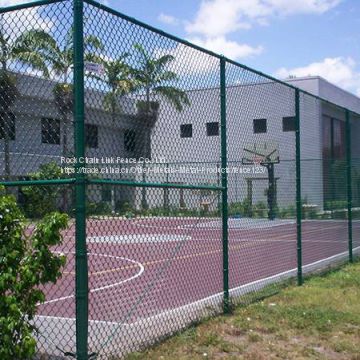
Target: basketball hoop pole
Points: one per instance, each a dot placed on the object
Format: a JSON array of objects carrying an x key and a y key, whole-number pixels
[
  {"x": 271, "y": 191},
  {"x": 267, "y": 160}
]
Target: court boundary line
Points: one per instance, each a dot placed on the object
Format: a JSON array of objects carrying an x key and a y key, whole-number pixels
[
  {"x": 105, "y": 287},
  {"x": 237, "y": 291}
]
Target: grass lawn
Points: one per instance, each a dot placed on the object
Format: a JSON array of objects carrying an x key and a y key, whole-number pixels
[{"x": 320, "y": 320}]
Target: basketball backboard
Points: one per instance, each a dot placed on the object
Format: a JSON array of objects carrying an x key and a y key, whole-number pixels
[{"x": 261, "y": 153}]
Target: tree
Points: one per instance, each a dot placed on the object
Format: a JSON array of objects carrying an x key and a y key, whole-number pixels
[
  {"x": 27, "y": 263},
  {"x": 60, "y": 56},
  {"x": 25, "y": 50},
  {"x": 41, "y": 200},
  {"x": 118, "y": 76},
  {"x": 154, "y": 78}
]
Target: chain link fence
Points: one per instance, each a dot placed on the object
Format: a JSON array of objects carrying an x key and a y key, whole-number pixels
[{"x": 192, "y": 182}]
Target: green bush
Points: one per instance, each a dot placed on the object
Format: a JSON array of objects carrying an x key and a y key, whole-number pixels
[
  {"x": 340, "y": 215},
  {"x": 335, "y": 205},
  {"x": 260, "y": 210},
  {"x": 122, "y": 207},
  {"x": 41, "y": 200},
  {"x": 287, "y": 212},
  {"x": 98, "y": 208},
  {"x": 243, "y": 208},
  {"x": 26, "y": 263},
  {"x": 355, "y": 214}
]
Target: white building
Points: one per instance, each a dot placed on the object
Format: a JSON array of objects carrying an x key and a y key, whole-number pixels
[
  {"x": 260, "y": 113},
  {"x": 256, "y": 113}
]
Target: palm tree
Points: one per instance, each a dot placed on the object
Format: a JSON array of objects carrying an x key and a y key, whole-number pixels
[
  {"x": 154, "y": 77},
  {"x": 24, "y": 50},
  {"x": 118, "y": 76},
  {"x": 60, "y": 58}
]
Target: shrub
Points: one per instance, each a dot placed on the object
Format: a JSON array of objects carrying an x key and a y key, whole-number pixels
[
  {"x": 98, "y": 208},
  {"x": 335, "y": 205},
  {"x": 122, "y": 207},
  {"x": 260, "y": 210},
  {"x": 26, "y": 263},
  {"x": 287, "y": 212},
  {"x": 243, "y": 208},
  {"x": 41, "y": 200}
]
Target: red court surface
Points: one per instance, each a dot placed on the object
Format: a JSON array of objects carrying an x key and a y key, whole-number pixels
[{"x": 142, "y": 267}]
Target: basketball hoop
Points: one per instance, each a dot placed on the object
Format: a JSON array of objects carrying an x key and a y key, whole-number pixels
[
  {"x": 263, "y": 154},
  {"x": 257, "y": 160}
]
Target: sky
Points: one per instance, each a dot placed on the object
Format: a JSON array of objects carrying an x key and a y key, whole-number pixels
[{"x": 278, "y": 37}]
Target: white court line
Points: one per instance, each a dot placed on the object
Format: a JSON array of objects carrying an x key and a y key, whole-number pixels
[
  {"x": 238, "y": 291},
  {"x": 255, "y": 240},
  {"x": 141, "y": 266},
  {"x": 137, "y": 238},
  {"x": 249, "y": 224}
]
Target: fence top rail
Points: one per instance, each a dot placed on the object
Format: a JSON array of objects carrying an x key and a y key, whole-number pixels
[
  {"x": 174, "y": 38},
  {"x": 27, "y": 5},
  {"x": 151, "y": 28},
  {"x": 211, "y": 53}
]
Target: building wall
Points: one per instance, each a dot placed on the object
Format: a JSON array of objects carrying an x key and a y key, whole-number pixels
[{"x": 244, "y": 104}]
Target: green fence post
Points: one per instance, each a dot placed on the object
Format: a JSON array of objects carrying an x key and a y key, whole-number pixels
[
  {"x": 81, "y": 265},
  {"x": 349, "y": 182},
  {"x": 224, "y": 184},
  {"x": 298, "y": 188}
]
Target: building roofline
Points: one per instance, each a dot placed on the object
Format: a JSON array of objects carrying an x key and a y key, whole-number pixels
[{"x": 321, "y": 78}]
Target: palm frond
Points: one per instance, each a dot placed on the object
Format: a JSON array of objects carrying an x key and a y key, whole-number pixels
[
  {"x": 167, "y": 76},
  {"x": 141, "y": 50},
  {"x": 92, "y": 42},
  {"x": 35, "y": 40},
  {"x": 125, "y": 86},
  {"x": 38, "y": 49},
  {"x": 178, "y": 98},
  {"x": 35, "y": 60},
  {"x": 161, "y": 63}
]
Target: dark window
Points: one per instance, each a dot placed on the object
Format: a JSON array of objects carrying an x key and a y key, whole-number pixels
[
  {"x": 289, "y": 123},
  {"x": 186, "y": 130},
  {"x": 338, "y": 139},
  {"x": 129, "y": 140},
  {"x": 91, "y": 136},
  {"x": 259, "y": 126},
  {"x": 50, "y": 131},
  {"x": 7, "y": 126},
  {"x": 212, "y": 129}
]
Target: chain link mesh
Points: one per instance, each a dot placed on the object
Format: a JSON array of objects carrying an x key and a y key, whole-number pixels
[
  {"x": 153, "y": 129},
  {"x": 261, "y": 198}
]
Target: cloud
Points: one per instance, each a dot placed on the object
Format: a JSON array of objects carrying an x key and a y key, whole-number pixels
[
  {"x": 168, "y": 19},
  {"x": 339, "y": 70},
  {"x": 220, "y": 17},
  {"x": 13, "y": 2},
  {"x": 188, "y": 61},
  {"x": 216, "y": 18},
  {"x": 229, "y": 48},
  {"x": 15, "y": 22}
]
